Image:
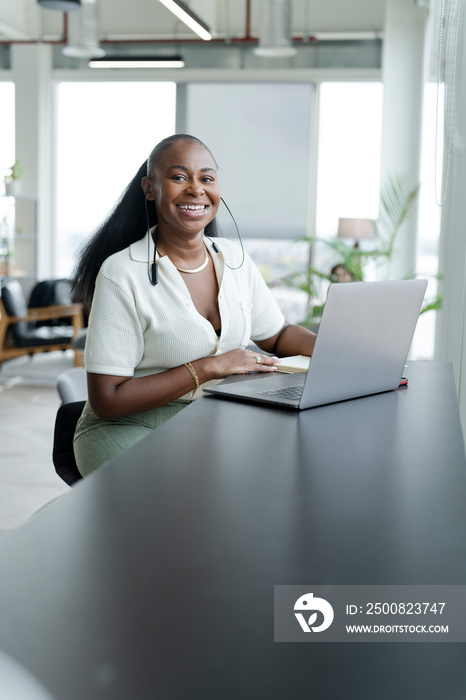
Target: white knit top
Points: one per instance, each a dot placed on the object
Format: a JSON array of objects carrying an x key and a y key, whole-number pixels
[{"x": 136, "y": 329}]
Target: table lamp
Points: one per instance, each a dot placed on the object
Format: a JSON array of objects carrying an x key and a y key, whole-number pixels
[{"x": 357, "y": 229}]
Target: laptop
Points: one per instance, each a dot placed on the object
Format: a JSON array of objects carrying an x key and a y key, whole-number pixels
[{"x": 361, "y": 348}]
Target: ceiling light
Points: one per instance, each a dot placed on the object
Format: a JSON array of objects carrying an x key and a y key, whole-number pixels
[
  {"x": 186, "y": 15},
  {"x": 275, "y": 33},
  {"x": 62, "y": 5},
  {"x": 137, "y": 62}
]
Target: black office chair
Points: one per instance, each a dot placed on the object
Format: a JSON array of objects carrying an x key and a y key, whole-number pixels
[
  {"x": 50, "y": 293},
  {"x": 63, "y": 455}
]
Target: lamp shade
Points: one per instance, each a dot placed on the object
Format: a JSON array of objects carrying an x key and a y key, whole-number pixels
[
  {"x": 62, "y": 5},
  {"x": 357, "y": 229}
]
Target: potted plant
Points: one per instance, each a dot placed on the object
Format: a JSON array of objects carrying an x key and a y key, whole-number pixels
[{"x": 12, "y": 179}]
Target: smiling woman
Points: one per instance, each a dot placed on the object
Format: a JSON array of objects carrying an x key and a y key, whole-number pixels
[
  {"x": 156, "y": 336},
  {"x": 184, "y": 194}
]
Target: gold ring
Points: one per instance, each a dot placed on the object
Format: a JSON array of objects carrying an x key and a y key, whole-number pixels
[{"x": 258, "y": 359}]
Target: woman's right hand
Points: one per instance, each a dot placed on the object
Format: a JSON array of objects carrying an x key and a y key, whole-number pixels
[
  {"x": 242, "y": 361},
  {"x": 115, "y": 396}
]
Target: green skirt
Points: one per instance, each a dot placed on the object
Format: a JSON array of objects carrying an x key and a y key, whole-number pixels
[{"x": 98, "y": 441}]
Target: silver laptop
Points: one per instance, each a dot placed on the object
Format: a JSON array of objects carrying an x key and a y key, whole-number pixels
[{"x": 361, "y": 348}]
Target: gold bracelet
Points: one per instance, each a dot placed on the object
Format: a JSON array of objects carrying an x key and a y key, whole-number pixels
[{"x": 193, "y": 373}]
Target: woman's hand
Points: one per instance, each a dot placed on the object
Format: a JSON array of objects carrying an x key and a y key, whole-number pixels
[
  {"x": 114, "y": 396},
  {"x": 242, "y": 361}
]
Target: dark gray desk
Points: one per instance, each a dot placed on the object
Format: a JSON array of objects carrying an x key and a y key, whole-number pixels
[{"x": 154, "y": 577}]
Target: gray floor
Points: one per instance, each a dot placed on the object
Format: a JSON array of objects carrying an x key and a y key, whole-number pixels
[{"x": 28, "y": 404}]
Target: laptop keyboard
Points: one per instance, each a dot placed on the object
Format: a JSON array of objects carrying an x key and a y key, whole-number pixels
[{"x": 290, "y": 392}]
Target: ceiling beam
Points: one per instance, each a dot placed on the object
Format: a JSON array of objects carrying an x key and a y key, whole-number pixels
[{"x": 12, "y": 32}]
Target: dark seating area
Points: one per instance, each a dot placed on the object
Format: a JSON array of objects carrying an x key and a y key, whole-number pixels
[{"x": 21, "y": 328}]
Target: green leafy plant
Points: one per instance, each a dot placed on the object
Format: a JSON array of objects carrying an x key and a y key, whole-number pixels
[
  {"x": 396, "y": 202},
  {"x": 15, "y": 172}
]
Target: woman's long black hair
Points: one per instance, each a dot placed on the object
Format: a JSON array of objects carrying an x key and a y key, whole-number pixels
[{"x": 125, "y": 224}]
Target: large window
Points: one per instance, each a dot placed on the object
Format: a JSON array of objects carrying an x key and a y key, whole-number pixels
[
  {"x": 349, "y": 158},
  {"x": 7, "y": 128},
  {"x": 261, "y": 135},
  {"x": 350, "y": 131},
  {"x": 429, "y": 223},
  {"x": 350, "y": 138},
  {"x": 348, "y": 182},
  {"x": 7, "y": 158},
  {"x": 105, "y": 131}
]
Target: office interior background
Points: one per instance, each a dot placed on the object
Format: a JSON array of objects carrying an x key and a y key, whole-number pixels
[{"x": 306, "y": 131}]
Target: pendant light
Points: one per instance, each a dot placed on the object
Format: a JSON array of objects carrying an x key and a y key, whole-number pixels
[
  {"x": 83, "y": 32},
  {"x": 275, "y": 32}
]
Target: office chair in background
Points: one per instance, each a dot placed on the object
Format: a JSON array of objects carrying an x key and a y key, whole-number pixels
[{"x": 23, "y": 330}]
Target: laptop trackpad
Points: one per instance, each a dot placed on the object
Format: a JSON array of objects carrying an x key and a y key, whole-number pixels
[{"x": 260, "y": 386}]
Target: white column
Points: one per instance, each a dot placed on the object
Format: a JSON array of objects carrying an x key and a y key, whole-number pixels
[
  {"x": 451, "y": 333},
  {"x": 31, "y": 68},
  {"x": 181, "y": 108},
  {"x": 403, "y": 80}
]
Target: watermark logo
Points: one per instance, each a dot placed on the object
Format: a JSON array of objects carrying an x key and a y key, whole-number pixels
[
  {"x": 365, "y": 613},
  {"x": 308, "y": 603}
]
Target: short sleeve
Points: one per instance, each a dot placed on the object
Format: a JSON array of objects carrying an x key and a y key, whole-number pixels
[{"x": 114, "y": 343}]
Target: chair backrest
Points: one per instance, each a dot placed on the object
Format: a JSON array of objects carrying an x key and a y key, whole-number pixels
[
  {"x": 42, "y": 294},
  {"x": 72, "y": 385},
  {"x": 63, "y": 455},
  {"x": 15, "y": 305},
  {"x": 51, "y": 293}
]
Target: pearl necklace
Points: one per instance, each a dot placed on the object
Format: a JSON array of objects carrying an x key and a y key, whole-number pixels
[{"x": 197, "y": 269}]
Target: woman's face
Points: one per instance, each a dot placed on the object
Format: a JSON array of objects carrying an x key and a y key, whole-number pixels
[{"x": 185, "y": 188}]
